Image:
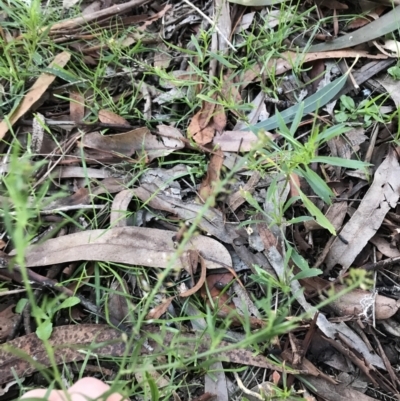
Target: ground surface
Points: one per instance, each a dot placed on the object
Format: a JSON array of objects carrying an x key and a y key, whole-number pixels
[{"x": 199, "y": 199}]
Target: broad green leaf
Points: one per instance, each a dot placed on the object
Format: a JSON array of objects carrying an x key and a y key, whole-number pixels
[
  {"x": 332, "y": 132},
  {"x": 312, "y": 272},
  {"x": 317, "y": 184},
  {"x": 257, "y": 3},
  {"x": 312, "y": 103},
  {"x": 44, "y": 330},
  {"x": 67, "y": 303},
  {"x": 338, "y": 161},
  {"x": 342, "y": 116},
  {"x": 348, "y": 102},
  {"x": 319, "y": 217},
  {"x": 375, "y": 29}
]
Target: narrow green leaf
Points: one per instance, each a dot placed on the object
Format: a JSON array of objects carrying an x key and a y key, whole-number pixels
[
  {"x": 207, "y": 99},
  {"x": 285, "y": 132},
  {"x": 197, "y": 46},
  {"x": 290, "y": 202},
  {"x": 250, "y": 199},
  {"x": 300, "y": 219},
  {"x": 307, "y": 274},
  {"x": 338, "y": 161},
  {"x": 300, "y": 262},
  {"x": 63, "y": 74},
  {"x": 155, "y": 395},
  {"x": 317, "y": 184},
  {"x": 319, "y": 217},
  {"x": 332, "y": 132},
  {"x": 375, "y": 29},
  {"x": 222, "y": 60},
  {"x": 297, "y": 119},
  {"x": 312, "y": 103}
]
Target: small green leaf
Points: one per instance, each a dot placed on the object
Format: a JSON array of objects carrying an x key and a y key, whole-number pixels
[
  {"x": 338, "y": 161},
  {"x": 341, "y": 116},
  {"x": 21, "y": 305},
  {"x": 348, "y": 102},
  {"x": 44, "y": 330},
  {"x": 67, "y": 303}
]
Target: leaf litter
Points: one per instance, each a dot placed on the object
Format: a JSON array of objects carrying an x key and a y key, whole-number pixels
[{"x": 202, "y": 193}]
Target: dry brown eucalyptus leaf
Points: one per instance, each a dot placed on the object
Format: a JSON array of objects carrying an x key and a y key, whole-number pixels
[{"x": 131, "y": 245}]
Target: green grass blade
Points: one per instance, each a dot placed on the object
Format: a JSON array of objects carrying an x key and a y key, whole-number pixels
[
  {"x": 312, "y": 103},
  {"x": 338, "y": 161}
]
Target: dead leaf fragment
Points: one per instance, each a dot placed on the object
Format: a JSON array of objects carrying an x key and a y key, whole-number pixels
[
  {"x": 213, "y": 174},
  {"x": 118, "y": 303},
  {"x": 7, "y": 320},
  {"x": 109, "y": 117}
]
